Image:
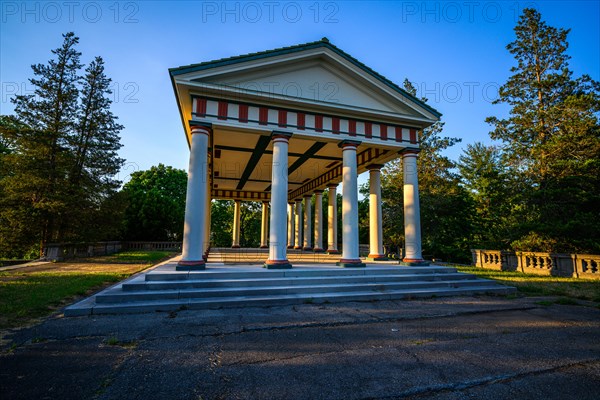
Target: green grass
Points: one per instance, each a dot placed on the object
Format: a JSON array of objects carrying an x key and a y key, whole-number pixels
[
  {"x": 133, "y": 257},
  {"x": 27, "y": 295},
  {"x": 539, "y": 285}
]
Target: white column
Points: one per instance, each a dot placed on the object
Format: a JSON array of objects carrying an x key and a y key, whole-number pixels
[
  {"x": 375, "y": 221},
  {"x": 264, "y": 227},
  {"x": 207, "y": 223},
  {"x": 279, "y": 189},
  {"x": 195, "y": 202},
  {"x": 236, "y": 225},
  {"x": 298, "y": 224},
  {"x": 291, "y": 225},
  {"x": 307, "y": 223},
  {"x": 318, "y": 221},
  {"x": 332, "y": 247},
  {"x": 412, "y": 215},
  {"x": 350, "y": 248}
]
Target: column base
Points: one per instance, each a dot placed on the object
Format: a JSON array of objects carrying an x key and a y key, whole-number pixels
[
  {"x": 264, "y": 247},
  {"x": 350, "y": 263},
  {"x": 414, "y": 262},
  {"x": 277, "y": 264},
  {"x": 307, "y": 249},
  {"x": 376, "y": 257},
  {"x": 297, "y": 247},
  {"x": 235, "y": 246},
  {"x": 318, "y": 250},
  {"x": 191, "y": 265},
  {"x": 290, "y": 247},
  {"x": 333, "y": 251}
]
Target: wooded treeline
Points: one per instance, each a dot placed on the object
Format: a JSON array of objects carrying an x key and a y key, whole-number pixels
[{"x": 536, "y": 188}]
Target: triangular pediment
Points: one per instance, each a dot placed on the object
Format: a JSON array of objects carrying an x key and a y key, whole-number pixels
[{"x": 320, "y": 74}]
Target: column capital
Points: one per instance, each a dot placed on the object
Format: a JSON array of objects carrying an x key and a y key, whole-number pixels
[
  {"x": 349, "y": 143},
  {"x": 332, "y": 185},
  {"x": 281, "y": 135},
  {"x": 318, "y": 191},
  {"x": 409, "y": 152},
  {"x": 298, "y": 200},
  {"x": 200, "y": 126},
  {"x": 308, "y": 195},
  {"x": 375, "y": 166}
]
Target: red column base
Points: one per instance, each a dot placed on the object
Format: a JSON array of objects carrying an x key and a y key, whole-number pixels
[
  {"x": 235, "y": 246},
  {"x": 351, "y": 263},
  {"x": 264, "y": 247},
  {"x": 183, "y": 265},
  {"x": 318, "y": 250},
  {"x": 277, "y": 264},
  {"x": 333, "y": 251}
]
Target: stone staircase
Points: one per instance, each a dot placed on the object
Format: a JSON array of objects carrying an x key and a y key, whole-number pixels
[{"x": 165, "y": 289}]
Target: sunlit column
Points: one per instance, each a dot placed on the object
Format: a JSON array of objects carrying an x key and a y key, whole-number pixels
[
  {"x": 291, "y": 225},
  {"x": 236, "y": 225},
  {"x": 350, "y": 246},
  {"x": 264, "y": 227},
  {"x": 298, "y": 224},
  {"x": 307, "y": 222},
  {"x": 318, "y": 221},
  {"x": 195, "y": 202},
  {"x": 412, "y": 216},
  {"x": 375, "y": 220},
  {"x": 332, "y": 247},
  {"x": 206, "y": 238},
  {"x": 279, "y": 189}
]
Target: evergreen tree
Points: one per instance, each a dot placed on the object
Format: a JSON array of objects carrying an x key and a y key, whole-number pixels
[
  {"x": 95, "y": 162},
  {"x": 551, "y": 140},
  {"x": 44, "y": 157},
  {"x": 58, "y": 156},
  {"x": 485, "y": 176}
]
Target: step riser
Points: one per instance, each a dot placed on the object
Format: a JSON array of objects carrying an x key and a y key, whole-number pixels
[
  {"x": 207, "y": 284},
  {"x": 178, "y": 276},
  {"x": 274, "y": 301},
  {"x": 123, "y": 297}
]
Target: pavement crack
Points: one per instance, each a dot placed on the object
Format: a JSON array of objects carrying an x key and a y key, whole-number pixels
[{"x": 427, "y": 391}]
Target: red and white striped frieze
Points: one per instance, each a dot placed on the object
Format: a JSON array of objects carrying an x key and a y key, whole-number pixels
[{"x": 225, "y": 110}]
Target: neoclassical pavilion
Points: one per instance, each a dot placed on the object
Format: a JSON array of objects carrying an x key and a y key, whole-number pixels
[{"x": 282, "y": 125}]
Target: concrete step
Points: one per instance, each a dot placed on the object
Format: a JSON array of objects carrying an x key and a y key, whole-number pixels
[
  {"x": 223, "y": 273},
  {"x": 274, "y": 300},
  {"x": 250, "y": 282},
  {"x": 120, "y": 296}
]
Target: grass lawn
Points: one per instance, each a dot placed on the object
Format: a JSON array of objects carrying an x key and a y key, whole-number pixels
[
  {"x": 33, "y": 292},
  {"x": 570, "y": 289}
]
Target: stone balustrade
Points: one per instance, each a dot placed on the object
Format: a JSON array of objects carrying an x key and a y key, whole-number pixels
[
  {"x": 554, "y": 264},
  {"x": 65, "y": 251}
]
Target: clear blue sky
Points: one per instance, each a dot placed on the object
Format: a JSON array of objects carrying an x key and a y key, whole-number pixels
[{"x": 453, "y": 51}]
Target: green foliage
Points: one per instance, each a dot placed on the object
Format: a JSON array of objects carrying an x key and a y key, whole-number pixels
[
  {"x": 222, "y": 223},
  {"x": 551, "y": 143},
  {"x": 156, "y": 204},
  {"x": 58, "y": 158}
]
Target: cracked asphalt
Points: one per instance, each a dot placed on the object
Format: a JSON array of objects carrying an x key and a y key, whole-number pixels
[{"x": 450, "y": 348}]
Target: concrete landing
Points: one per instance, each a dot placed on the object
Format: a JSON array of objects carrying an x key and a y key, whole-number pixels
[{"x": 163, "y": 288}]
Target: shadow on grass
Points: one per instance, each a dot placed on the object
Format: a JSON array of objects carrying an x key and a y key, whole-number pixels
[{"x": 539, "y": 285}]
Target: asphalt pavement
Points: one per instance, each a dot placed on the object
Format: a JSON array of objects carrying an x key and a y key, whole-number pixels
[{"x": 441, "y": 348}]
